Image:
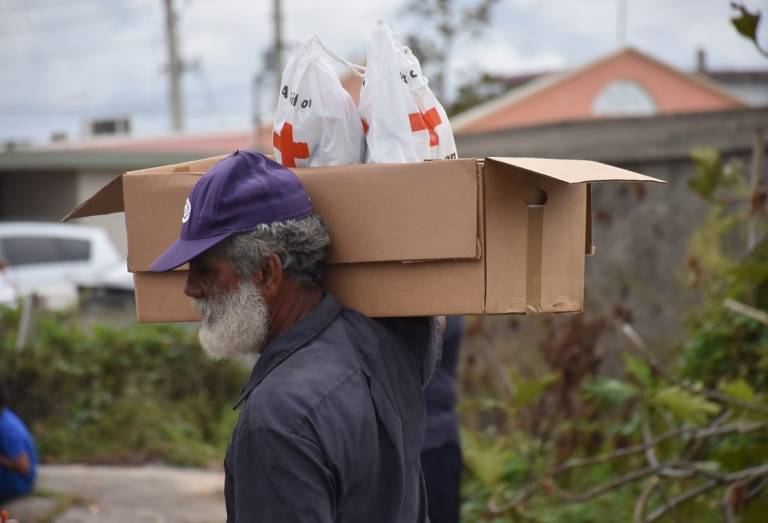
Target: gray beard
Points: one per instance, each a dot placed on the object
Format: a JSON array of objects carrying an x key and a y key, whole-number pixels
[{"x": 234, "y": 322}]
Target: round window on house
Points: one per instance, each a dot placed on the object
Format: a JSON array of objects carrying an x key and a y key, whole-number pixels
[{"x": 624, "y": 98}]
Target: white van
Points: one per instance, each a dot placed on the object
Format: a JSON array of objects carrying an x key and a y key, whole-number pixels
[{"x": 55, "y": 260}]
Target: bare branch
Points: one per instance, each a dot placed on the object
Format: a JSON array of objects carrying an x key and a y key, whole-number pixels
[
  {"x": 727, "y": 503},
  {"x": 746, "y": 310},
  {"x": 741, "y": 428},
  {"x": 650, "y": 448},
  {"x": 754, "y": 491},
  {"x": 650, "y": 451},
  {"x": 671, "y": 469},
  {"x": 747, "y": 474},
  {"x": 698, "y": 442},
  {"x": 698, "y": 433},
  {"x": 643, "y": 499},
  {"x": 496, "y": 509},
  {"x": 605, "y": 487},
  {"x": 682, "y": 498},
  {"x": 620, "y": 453}
]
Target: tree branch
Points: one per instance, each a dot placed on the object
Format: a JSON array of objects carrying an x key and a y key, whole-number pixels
[
  {"x": 605, "y": 487},
  {"x": 682, "y": 498},
  {"x": 643, "y": 499},
  {"x": 747, "y": 474},
  {"x": 754, "y": 491},
  {"x": 703, "y": 433},
  {"x": 727, "y": 503},
  {"x": 746, "y": 310},
  {"x": 671, "y": 469},
  {"x": 650, "y": 448},
  {"x": 638, "y": 342}
]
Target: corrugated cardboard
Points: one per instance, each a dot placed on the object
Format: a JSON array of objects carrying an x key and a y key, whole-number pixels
[{"x": 494, "y": 236}]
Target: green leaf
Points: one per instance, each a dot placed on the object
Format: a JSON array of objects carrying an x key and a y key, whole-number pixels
[
  {"x": 686, "y": 406},
  {"x": 709, "y": 171},
  {"x": 528, "y": 390},
  {"x": 738, "y": 389},
  {"x": 639, "y": 370},
  {"x": 762, "y": 364},
  {"x": 610, "y": 390},
  {"x": 746, "y": 22},
  {"x": 485, "y": 458}
]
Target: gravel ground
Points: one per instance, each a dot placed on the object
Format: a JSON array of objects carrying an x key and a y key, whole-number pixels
[{"x": 108, "y": 494}]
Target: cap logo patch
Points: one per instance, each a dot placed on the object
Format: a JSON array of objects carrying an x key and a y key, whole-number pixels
[{"x": 187, "y": 210}]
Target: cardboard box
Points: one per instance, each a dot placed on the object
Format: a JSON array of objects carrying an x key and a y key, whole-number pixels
[{"x": 467, "y": 236}]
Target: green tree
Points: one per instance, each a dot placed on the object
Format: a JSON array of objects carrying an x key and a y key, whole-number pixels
[{"x": 440, "y": 23}]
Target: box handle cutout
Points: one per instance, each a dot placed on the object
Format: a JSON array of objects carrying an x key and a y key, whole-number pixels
[
  {"x": 535, "y": 197},
  {"x": 534, "y": 256}
]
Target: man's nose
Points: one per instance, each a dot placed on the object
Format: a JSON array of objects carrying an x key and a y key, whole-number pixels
[{"x": 192, "y": 288}]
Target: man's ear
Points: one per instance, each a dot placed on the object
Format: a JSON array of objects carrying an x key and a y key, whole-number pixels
[{"x": 270, "y": 278}]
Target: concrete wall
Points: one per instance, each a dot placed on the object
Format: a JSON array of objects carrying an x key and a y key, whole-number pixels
[
  {"x": 49, "y": 195},
  {"x": 37, "y": 195}
]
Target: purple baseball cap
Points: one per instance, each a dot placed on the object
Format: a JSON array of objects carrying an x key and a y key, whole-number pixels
[{"x": 243, "y": 190}]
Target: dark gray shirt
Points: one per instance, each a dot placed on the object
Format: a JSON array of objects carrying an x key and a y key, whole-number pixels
[{"x": 332, "y": 422}]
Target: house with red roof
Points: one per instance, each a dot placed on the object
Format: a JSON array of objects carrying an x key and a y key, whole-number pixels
[{"x": 625, "y": 83}]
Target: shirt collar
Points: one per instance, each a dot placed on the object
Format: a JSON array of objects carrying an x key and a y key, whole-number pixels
[{"x": 291, "y": 340}]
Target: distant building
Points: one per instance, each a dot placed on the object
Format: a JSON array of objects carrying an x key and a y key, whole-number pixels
[
  {"x": 625, "y": 83},
  {"x": 750, "y": 86},
  {"x": 201, "y": 144},
  {"x": 45, "y": 184}
]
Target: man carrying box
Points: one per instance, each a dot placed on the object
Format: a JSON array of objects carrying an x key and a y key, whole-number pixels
[{"x": 332, "y": 418}]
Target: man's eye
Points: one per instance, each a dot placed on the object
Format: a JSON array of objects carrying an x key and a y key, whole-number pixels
[{"x": 199, "y": 267}]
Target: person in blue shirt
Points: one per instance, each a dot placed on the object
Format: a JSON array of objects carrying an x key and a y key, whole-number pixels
[
  {"x": 441, "y": 452},
  {"x": 18, "y": 457}
]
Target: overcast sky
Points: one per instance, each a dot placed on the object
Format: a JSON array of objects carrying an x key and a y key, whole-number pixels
[{"x": 64, "y": 62}]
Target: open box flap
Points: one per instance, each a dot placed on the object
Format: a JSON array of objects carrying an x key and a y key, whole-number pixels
[
  {"x": 107, "y": 200},
  {"x": 376, "y": 212},
  {"x": 201, "y": 166},
  {"x": 575, "y": 171}
]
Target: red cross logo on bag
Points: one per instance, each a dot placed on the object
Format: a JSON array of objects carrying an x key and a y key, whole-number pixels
[
  {"x": 426, "y": 121},
  {"x": 289, "y": 150}
]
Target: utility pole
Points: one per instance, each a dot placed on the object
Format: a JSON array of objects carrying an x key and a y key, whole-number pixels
[
  {"x": 621, "y": 23},
  {"x": 256, "y": 85},
  {"x": 277, "y": 63},
  {"x": 175, "y": 69}
]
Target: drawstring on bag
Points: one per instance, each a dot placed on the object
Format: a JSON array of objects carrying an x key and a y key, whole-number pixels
[{"x": 357, "y": 70}]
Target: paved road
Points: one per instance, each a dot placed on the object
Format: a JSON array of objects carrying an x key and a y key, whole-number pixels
[{"x": 106, "y": 494}]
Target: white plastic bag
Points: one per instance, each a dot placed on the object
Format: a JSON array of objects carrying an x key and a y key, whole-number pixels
[
  {"x": 316, "y": 121},
  {"x": 404, "y": 120}
]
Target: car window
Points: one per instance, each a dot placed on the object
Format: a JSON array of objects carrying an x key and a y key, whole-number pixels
[
  {"x": 29, "y": 250},
  {"x": 73, "y": 250}
]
